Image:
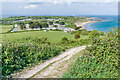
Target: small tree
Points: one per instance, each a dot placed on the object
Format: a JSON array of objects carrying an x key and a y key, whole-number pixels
[
  {"x": 94, "y": 34},
  {"x": 57, "y": 21},
  {"x": 55, "y": 25},
  {"x": 62, "y": 23},
  {"x": 22, "y": 25},
  {"x": 51, "y": 22},
  {"x": 84, "y": 32},
  {"x": 102, "y": 33},
  {"x": 77, "y": 35},
  {"x": 64, "y": 40}
]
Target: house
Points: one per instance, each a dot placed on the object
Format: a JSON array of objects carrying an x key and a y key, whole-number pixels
[
  {"x": 53, "y": 28},
  {"x": 66, "y": 30},
  {"x": 28, "y": 29},
  {"x": 45, "y": 30},
  {"x": 15, "y": 25},
  {"x": 37, "y": 28},
  {"x": 27, "y": 26}
]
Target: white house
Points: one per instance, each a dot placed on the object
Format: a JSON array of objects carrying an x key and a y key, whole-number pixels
[
  {"x": 15, "y": 25},
  {"x": 27, "y": 25},
  {"x": 66, "y": 30},
  {"x": 37, "y": 28},
  {"x": 45, "y": 30},
  {"x": 53, "y": 28}
]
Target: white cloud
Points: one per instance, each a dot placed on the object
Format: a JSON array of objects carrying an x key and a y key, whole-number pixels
[
  {"x": 30, "y": 6},
  {"x": 62, "y": 2},
  {"x": 69, "y": 1}
]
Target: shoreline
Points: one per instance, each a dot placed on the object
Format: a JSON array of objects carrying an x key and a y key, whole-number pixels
[{"x": 84, "y": 23}]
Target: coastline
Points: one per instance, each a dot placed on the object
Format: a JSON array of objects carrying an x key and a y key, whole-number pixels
[
  {"x": 78, "y": 24},
  {"x": 93, "y": 20}
]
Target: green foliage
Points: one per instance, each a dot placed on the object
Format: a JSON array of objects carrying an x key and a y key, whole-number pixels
[
  {"x": 57, "y": 22},
  {"x": 94, "y": 34},
  {"x": 31, "y": 22},
  {"x": 51, "y": 22},
  {"x": 77, "y": 28},
  {"x": 56, "y": 30},
  {"x": 55, "y": 26},
  {"x": 102, "y": 33},
  {"x": 64, "y": 39},
  {"x": 62, "y": 23},
  {"x": 84, "y": 32},
  {"x": 16, "y": 56},
  {"x": 77, "y": 36},
  {"x": 22, "y": 25},
  {"x": 44, "y": 25},
  {"x": 99, "y": 60}
]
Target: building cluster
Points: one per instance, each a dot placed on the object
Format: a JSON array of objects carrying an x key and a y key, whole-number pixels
[{"x": 51, "y": 27}]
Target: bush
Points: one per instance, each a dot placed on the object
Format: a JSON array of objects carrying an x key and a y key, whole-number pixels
[
  {"x": 99, "y": 60},
  {"x": 76, "y": 28},
  {"x": 51, "y": 22},
  {"x": 16, "y": 56},
  {"x": 102, "y": 33},
  {"x": 56, "y": 30},
  {"x": 94, "y": 34},
  {"x": 77, "y": 36},
  {"x": 64, "y": 39},
  {"x": 62, "y": 23},
  {"x": 55, "y": 26},
  {"x": 84, "y": 32}
]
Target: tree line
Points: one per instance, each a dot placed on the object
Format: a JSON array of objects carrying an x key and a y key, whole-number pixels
[{"x": 34, "y": 25}]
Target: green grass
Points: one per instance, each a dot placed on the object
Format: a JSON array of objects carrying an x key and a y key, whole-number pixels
[
  {"x": 5, "y": 28},
  {"x": 53, "y": 36}
]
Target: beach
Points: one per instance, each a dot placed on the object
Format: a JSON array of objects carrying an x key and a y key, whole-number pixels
[{"x": 82, "y": 24}]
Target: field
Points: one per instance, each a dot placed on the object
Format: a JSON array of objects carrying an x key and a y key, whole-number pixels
[
  {"x": 6, "y": 28},
  {"x": 53, "y": 36}
]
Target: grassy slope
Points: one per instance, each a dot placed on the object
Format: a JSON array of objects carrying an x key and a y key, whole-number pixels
[
  {"x": 6, "y": 28},
  {"x": 53, "y": 36}
]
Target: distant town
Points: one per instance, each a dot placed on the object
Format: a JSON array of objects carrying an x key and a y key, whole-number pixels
[{"x": 51, "y": 26}]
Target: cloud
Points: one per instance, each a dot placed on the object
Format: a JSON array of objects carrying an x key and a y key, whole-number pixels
[
  {"x": 30, "y": 6},
  {"x": 62, "y": 2},
  {"x": 54, "y": 1}
]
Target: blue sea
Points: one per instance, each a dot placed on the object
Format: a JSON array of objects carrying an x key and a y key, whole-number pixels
[{"x": 111, "y": 22}]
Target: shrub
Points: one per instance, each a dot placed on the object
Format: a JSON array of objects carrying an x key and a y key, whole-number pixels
[
  {"x": 16, "y": 56},
  {"x": 99, "y": 60},
  {"x": 84, "y": 32},
  {"x": 102, "y": 33},
  {"x": 62, "y": 23},
  {"x": 76, "y": 28},
  {"x": 94, "y": 34},
  {"x": 77, "y": 36},
  {"x": 51, "y": 22},
  {"x": 55, "y": 26},
  {"x": 64, "y": 39}
]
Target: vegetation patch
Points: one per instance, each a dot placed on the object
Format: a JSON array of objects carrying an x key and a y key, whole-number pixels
[{"x": 99, "y": 60}]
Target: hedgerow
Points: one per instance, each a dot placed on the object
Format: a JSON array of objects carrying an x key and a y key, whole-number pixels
[
  {"x": 16, "y": 56},
  {"x": 99, "y": 60}
]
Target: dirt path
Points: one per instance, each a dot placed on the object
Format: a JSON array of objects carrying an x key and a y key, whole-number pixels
[{"x": 50, "y": 68}]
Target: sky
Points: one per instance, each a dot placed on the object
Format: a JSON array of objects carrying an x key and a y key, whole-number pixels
[{"x": 61, "y": 7}]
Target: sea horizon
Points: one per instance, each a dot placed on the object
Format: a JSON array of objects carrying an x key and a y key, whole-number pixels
[{"x": 60, "y": 15}]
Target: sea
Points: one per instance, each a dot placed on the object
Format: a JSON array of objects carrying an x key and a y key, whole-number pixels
[{"x": 106, "y": 25}]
